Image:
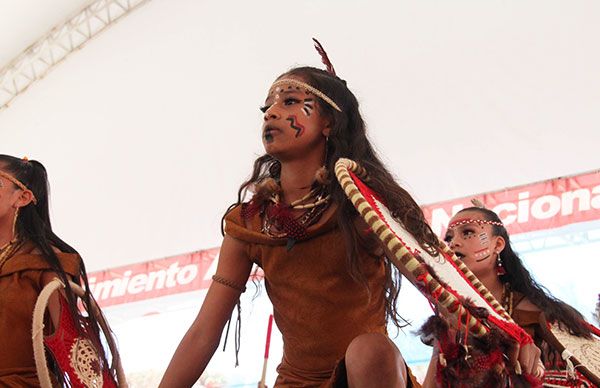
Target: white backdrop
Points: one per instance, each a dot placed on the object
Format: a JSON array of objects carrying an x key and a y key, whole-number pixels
[{"x": 148, "y": 131}]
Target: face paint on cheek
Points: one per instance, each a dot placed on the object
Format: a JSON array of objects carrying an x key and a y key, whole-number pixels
[
  {"x": 308, "y": 106},
  {"x": 299, "y": 128},
  {"x": 482, "y": 254},
  {"x": 484, "y": 239}
]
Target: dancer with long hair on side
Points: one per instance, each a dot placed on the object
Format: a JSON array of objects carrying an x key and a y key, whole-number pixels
[
  {"x": 31, "y": 256},
  {"x": 479, "y": 238}
]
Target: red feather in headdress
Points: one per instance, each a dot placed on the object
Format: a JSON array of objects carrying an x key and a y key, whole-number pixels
[{"x": 324, "y": 57}]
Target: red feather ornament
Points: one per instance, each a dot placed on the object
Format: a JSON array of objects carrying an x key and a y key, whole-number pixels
[{"x": 324, "y": 57}]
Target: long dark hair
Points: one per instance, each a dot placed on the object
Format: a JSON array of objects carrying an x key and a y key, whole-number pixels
[
  {"x": 521, "y": 281},
  {"x": 348, "y": 139},
  {"x": 33, "y": 225}
]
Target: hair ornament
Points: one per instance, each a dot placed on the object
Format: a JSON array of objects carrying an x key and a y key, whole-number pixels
[
  {"x": 266, "y": 189},
  {"x": 324, "y": 57},
  {"x": 477, "y": 203},
  {"x": 19, "y": 184},
  {"x": 322, "y": 176}
]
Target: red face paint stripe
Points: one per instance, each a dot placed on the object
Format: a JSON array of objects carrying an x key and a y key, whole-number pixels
[{"x": 299, "y": 128}]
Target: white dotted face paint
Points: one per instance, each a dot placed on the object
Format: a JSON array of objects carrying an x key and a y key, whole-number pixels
[{"x": 485, "y": 253}]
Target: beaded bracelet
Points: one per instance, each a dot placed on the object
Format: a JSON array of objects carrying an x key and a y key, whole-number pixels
[{"x": 229, "y": 283}]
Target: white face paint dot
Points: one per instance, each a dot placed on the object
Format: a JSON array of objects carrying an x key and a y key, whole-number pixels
[{"x": 483, "y": 253}]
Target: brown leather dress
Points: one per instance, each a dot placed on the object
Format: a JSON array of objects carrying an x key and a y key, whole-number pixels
[
  {"x": 317, "y": 306},
  {"x": 556, "y": 374},
  {"x": 530, "y": 322},
  {"x": 20, "y": 285}
]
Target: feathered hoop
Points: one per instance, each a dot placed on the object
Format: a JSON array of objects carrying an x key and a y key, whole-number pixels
[
  {"x": 76, "y": 355},
  {"x": 324, "y": 57}
]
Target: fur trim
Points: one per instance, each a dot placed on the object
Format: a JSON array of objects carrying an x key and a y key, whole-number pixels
[
  {"x": 322, "y": 176},
  {"x": 265, "y": 189},
  {"x": 483, "y": 363}
]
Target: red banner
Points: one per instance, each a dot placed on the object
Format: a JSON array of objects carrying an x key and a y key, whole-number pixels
[
  {"x": 189, "y": 272},
  {"x": 544, "y": 205},
  {"x": 538, "y": 206}
]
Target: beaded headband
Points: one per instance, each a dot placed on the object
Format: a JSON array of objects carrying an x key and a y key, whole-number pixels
[
  {"x": 308, "y": 88},
  {"x": 19, "y": 184},
  {"x": 465, "y": 221}
]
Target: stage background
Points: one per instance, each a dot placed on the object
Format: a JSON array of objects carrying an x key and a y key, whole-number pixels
[{"x": 148, "y": 130}]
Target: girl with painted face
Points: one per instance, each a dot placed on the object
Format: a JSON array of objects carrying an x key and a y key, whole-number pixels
[
  {"x": 480, "y": 240},
  {"x": 332, "y": 288},
  {"x": 31, "y": 256}
]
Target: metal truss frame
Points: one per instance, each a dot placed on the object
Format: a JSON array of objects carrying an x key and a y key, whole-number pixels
[
  {"x": 571, "y": 235},
  {"x": 54, "y": 47}
]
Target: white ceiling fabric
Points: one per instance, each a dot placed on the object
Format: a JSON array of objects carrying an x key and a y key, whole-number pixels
[{"x": 148, "y": 131}]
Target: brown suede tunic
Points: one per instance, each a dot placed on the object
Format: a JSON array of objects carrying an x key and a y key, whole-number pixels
[
  {"x": 317, "y": 306},
  {"x": 20, "y": 285},
  {"x": 556, "y": 367},
  {"x": 530, "y": 322}
]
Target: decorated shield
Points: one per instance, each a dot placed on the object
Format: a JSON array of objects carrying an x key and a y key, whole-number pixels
[
  {"x": 75, "y": 352},
  {"x": 581, "y": 356},
  {"x": 442, "y": 278}
]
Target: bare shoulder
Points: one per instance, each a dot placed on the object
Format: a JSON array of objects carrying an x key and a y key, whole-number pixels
[
  {"x": 234, "y": 258},
  {"x": 526, "y": 305},
  {"x": 233, "y": 248}
]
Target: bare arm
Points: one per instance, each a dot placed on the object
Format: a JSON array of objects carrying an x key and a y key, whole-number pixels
[
  {"x": 202, "y": 338},
  {"x": 54, "y": 301},
  {"x": 429, "y": 381}
]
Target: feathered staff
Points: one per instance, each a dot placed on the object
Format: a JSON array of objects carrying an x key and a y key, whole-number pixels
[{"x": 324, "y": 57}]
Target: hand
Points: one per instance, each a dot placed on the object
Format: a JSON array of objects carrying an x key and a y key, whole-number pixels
[
  {"x": 540, "y": 370},
  {"x": 527, "y": 360}
]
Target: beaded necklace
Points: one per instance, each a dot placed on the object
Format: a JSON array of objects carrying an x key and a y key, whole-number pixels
[{"x": 279, "y": 220}]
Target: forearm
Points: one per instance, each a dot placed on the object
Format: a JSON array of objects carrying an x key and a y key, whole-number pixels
[
  {"x": 202, "y": 339},
  {"x": 430, "y": 377},
  {"x": 190, "y": 359}
]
